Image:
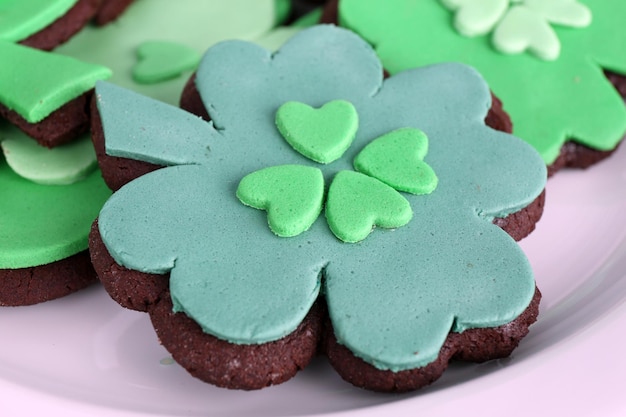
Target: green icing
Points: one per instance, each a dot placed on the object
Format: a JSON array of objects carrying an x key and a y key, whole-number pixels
[
  {"x": 62, "y": 165},
  {"x": 292, "y": 195},
  {"x": 323, "y": 134},
  {"x": 560, "y": 100},
  {"x": 282, "y": 10},
  {"x": 357, "y": 203},
  {"x": 393, "y": 297},
  {"x": 197, "y": 24},
  {"x": 160, "y": 61},
  {"x": 21, "y": 18},
  {"x": 396, "y": 159},
  {"x": 37, "y": 82},
  {"x": 40, "y": 224}
]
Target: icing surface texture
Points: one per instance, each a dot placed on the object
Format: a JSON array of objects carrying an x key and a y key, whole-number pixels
[
  {"x": 392, "y": 297},
  {"x": 565, "y": 99},
  {"x": 40, "y": 224},
  {"x": 21, "y": 18}
]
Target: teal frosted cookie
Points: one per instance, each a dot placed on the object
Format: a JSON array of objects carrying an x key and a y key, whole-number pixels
[
  {"x": 544, "y": 59},
  {"x": 395, "y": 233}
]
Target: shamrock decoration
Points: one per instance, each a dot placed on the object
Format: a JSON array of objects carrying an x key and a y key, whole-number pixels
[
  {"x": 519, "y": 24},
  {"x": 550, "y": 102},
  {"x": 449, "y": 268},
  {"x": 293, "y": 195}
]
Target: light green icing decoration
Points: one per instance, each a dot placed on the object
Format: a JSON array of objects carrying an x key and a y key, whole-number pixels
[
  {"x": 159, "y": 61},
  {"x": 21, "y": 18},
  {"x": 36, "y": 82},
  {"x": 392, "y": 298},
  {"x": 519, "y": 25},
  {"x": 323, "y": 134},
  {"x": 396, "y": 159},
  {"x": 61, "y": 165},
  {"x": 561, "y": 100},
  {"x": 197, "y": 24},
  {"x": 40, "y": 224},
  {"x": 292, "y": 195},
  {"x": 357, "y": 203}
]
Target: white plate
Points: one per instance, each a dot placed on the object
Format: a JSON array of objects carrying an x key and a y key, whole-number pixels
[{"x": 84, "y": 355}]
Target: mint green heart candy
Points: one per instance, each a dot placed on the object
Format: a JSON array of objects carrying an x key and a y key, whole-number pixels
[
  {"x": 292, "y": 195},
  {"x": 357, "y": 203},
  {"x": 162, "y": 60},
  {"x": 396, "y": 159},
  {"x": 323, "y": 134}
]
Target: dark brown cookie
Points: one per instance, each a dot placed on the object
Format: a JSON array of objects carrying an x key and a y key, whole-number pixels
[
  {"x": 131, "y": 289},
  {"x": 110, "y": 10},
  {"x": 37, "y": 284},
  {"x": 61, "y": 126},
  {"x": 64, "y": 27},
  {"x": 229, "y": 365},
  {"x": 233, "y": 366},
  {"x": 475, "y": 345}
]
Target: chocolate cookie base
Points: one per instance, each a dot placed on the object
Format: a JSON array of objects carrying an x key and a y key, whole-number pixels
[
  {"x": 61, "y": 126},
  {"x": 110, "y": 10},
  {"x": 474, "y": 345},
  {"x": 64, "y": 27},
  {"x": 250, "y": 367},
  {"x": 27, "y": 286}
]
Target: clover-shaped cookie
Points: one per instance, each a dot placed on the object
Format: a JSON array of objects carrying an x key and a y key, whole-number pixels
[
  {"x": 566, "y": 99},
  {"x": 394, "y": 297}
]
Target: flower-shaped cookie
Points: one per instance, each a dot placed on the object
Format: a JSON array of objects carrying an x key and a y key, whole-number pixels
[
  {"x": 550, "y": 102},
  {"x": 392, "y": 298}
]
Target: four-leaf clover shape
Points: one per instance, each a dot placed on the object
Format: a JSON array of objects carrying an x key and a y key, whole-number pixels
[
  {"x": 519, "y": 25},
  {"x": 448, "y": 269},
  {"x": 293, "y": 195}
]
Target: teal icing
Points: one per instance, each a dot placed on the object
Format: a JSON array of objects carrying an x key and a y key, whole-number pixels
[
  {"x": 392, "y": 298},
  {"x": 161, "y": 134}
]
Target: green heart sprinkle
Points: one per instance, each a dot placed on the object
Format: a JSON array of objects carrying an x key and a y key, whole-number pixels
[
  {"x": 323, "y": 134},
  {"x": 62, "y": 165},
  {"x": 396, "y": 159},
  {"x": 292, "y": 195},
  {"x": 161, "y": 60},
  {"x": 357, "y": 203}
]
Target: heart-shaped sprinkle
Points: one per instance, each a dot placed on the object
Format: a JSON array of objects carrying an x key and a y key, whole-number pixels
[
  {"x": 162, "y": 60},
  {"x": 292, "y": 195},
  {"x": 562, "y": 12},
  {"x": 396, "y": 159},
  {"x": 62, "y": 165},
  {"x": 357, "y": 203},
  {"x": 474, "y": 18},
  {"x": 323, "y": 134},
  {"x": 522, "y": 29}
]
